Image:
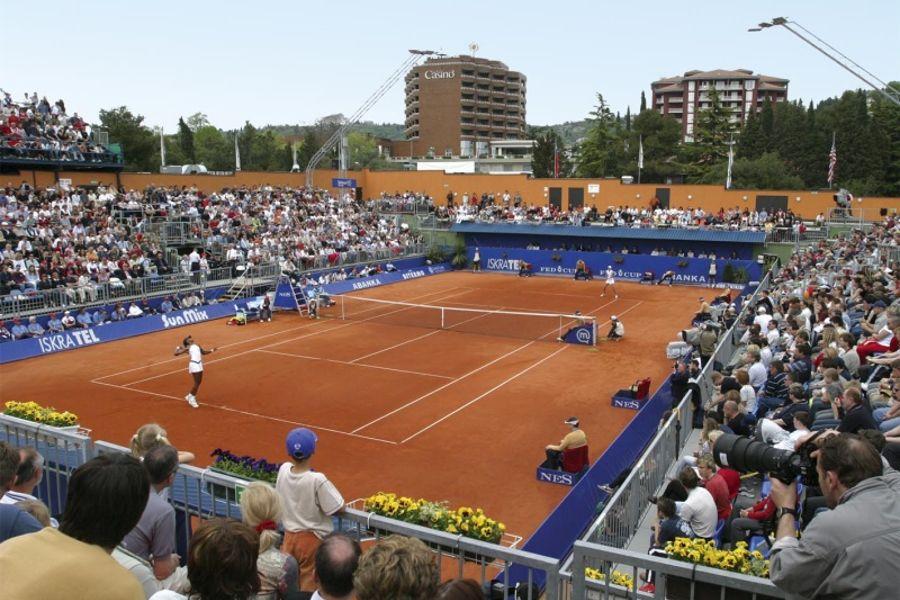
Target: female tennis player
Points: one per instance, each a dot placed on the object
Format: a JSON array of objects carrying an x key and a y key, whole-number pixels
[
  {"x": 610, "y": 281},
  {"x": 195, "y": 366}
]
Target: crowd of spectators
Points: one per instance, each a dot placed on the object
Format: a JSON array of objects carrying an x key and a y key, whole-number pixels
[
  {"x": 818, "y": 362},
  {"x": 33, "y": 128},
  {"x": 484, "y": 209},
  {"x": 76, "y": 240},
  {"x": 116, "y": 537}
]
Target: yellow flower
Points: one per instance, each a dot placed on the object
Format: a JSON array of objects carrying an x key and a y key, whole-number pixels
[{"x": 451, "y": 528}]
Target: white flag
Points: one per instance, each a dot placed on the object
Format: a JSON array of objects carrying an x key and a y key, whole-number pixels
[
  {"x": 237, "y": 154},
  {"x": 640, "y": 152},
  {"x": 162, "y": 148},
  {"x": 730, "y": 164}
]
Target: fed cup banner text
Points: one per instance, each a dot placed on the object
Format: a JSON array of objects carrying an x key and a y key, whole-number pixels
[{"x": 632, "y": 266}]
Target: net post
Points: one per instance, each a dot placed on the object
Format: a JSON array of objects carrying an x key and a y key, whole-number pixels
[
  {"x": 443, "y": 323},
  {"x": 595, "y": 332},
  {"x": 343, "y": 310}
]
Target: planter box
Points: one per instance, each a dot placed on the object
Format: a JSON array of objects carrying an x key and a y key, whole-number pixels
[{"x": 679, "y": 588}]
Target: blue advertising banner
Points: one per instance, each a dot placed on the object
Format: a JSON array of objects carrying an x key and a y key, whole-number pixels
[
  {"x": 284, "y": 296},
  {"x": 686, "y": 271},
  {"x": 81, "y": 338},
  {"x": 343, "y": 182}
]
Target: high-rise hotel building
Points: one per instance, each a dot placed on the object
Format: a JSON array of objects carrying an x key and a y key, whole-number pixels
[
  {"x": 739, "y": 90},
  {"x": 457, "y": 105}
]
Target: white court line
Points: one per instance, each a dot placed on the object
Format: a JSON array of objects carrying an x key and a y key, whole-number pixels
[
  {"x": 472, "y": 372},
  {"x": 253, "y": 339},
  {"x": 353, "y": 364},
  {"x": 487, "y": 393},
  {"x": 252, "y": 414},
  {"x": 421, "y": 337},
  {"x": 293, "y": 339}
]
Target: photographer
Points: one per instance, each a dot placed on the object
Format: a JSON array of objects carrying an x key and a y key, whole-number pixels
[{"x": 851, "y": 551}]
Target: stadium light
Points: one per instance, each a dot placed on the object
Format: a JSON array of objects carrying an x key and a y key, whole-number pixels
[{"x": 887, "y": 91}]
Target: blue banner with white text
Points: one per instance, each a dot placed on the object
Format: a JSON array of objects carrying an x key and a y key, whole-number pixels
[{"x": 685, "y": 271}]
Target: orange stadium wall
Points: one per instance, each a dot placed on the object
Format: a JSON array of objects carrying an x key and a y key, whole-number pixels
[{"x": 437, "y": 184}]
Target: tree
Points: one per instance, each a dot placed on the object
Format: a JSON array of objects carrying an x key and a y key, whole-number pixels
[
  {"x": 661, "y": 137},
  {"x": 768, "y": 172},
  {"x": 643, "y": 102},
  {"x": 197, "y": 120},
  {"x": 139, "y": 144},
  {"x": 597, "y": 154},
  {"x": 546, "y": 144},
  {"x": 363, "y": 152},
  {"x": 246, "y": 143},
  {"x": 712, "y": 133},
  {"x": 308, "y": 147},
  {"x": 213, "y": 149},
  {"x": 186, "y": 141},
  {"x": 886, "y": 119},
  {"x": 628, "y": 119}
]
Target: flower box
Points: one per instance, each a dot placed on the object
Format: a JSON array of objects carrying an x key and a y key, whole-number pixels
[
  {"x": 679, "y": 588},
  {"x": 245, "y": 468},
  {"x": 505, "y": 539},
  {"x": 44, "y": 415}
]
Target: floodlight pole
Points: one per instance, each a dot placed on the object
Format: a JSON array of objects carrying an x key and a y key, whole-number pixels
[
  {"x": 783, "y": 22},
  {"x": 414, "y": 57}
]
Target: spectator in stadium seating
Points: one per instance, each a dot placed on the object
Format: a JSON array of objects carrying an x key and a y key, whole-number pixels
[
  {"x": 13, "y": 520},
  {"x": 166, "y": 306},
  {"x": 5, "y": 334},
  {"x": 151, "y": 436},
  {"x": 735, "y": 420},
  {"x": 221, "y": 563},
  {"x": 756, "y": 369},
  {"x": 576, "y": 438},
  {"x": 309, "y": 499},
  {"x": 800, "y": 366},
  {"x": 715, "y": 484},
  {"x": 699, "y": 509},
  {"x": 748, "y": 394},
  {"x": 153, "y": 538},
  {"x": 396, "y": 567},
  {"x": 261, "y": 509},
  {"x": 99, "y": 317},
  {"x": 104, "y": 500},
  {"x": 84, "y": 319},
  {"x": 460, "y": 589},
  {"x": 146, "y": 308},
  {"x": 39, "y": 511},
  {"x": 336, "y": 561},
  {"x": 134, "y": 311},
  {"x": 68, "y": 321},
  {"x": 34, "y": 328},
  {"x": 54, "y": 324},
  {"x": 18, "y": 330},
  {"x": 784, "y": 417},
  {"x": 139, "y": 569},
  {"x": 855, "y": 414},
  {"x": 852, "y": 550},
  {"x": 28, "y": 476},
  {"x": 752, "y": 521},
  {"x": 774, "y": 393}
]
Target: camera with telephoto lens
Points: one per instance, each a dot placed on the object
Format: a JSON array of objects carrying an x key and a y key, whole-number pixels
[{"x": 747, "y": 455}]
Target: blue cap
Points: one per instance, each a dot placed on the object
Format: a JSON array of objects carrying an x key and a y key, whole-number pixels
[{"x": 301, "y": 443}]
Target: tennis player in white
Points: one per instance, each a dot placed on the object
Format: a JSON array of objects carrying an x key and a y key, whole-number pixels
[
  {"x": 610, "y": 281},
  {"x": 195, "y": 366}
]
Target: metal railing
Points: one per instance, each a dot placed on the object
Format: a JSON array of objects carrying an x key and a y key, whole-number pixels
[
  {"x": 700, "y": 581},
  {"x": 617, "y": 523},
  {"x": 63, "y": 449},
  {"x": 205, "y": 493},
  {"x": 125, "y": 290}
]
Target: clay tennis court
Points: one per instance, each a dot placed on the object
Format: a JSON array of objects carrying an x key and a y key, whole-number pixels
[{"x": 398, "y": 405}]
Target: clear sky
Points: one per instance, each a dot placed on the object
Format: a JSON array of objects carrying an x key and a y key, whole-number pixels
[{"x": 274, "y": 62}]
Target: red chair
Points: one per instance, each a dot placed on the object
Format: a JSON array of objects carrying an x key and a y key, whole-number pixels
[
  {"x": 643, "y": 389},
  {"x": 575, "y": 459}
]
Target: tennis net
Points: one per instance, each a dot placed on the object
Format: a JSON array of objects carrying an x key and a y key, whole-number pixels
[{"x": 502, "y": 323}]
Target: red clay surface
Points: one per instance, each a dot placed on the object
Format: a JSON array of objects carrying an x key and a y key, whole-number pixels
[{"x": 427, "y": 413}]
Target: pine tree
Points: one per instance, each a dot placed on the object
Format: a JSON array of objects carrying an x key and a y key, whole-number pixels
[
  {"x": 186, "y": 141},
  {"x": 596, "y": 155},
  {"x": 643, "y": 102},
  {"x": 628, "y": 119},
  {"x": 711, "y": 136}
]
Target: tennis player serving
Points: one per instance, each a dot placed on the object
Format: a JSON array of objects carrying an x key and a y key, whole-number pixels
[{"x": 195, "y": 366}]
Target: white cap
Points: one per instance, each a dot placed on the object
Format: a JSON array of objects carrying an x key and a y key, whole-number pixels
[
  {"x": 761, "y": 310},
  {"x": 614, "y": 318}
]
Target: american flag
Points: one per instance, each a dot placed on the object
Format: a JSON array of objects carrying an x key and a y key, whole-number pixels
[{"x": 832, "y": 161}]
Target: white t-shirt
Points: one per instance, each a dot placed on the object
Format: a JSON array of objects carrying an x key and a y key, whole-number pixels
[
  {"x": 699, "y": 510},
  {"x": 309, "y": 500},
  {"x": 748, "y": 398},
  {"x": 762, "y": 320},
  {"x": 610, "y": 276},
  {"x": 196, "y": 364}
]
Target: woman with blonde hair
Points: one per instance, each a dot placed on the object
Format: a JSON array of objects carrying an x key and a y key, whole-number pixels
[
  {"x": 151, "y": 435},
  {"x": 261, "y": 509}
]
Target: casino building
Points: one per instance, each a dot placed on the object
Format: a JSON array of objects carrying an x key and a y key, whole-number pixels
[{"x": 456, "y": 106}]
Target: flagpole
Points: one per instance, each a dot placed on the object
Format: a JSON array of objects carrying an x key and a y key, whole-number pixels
[
  {"x": 237, "y": 154},
  {"x": 162, "y": 148},
  {"x": 730, "y": 162},
  {"x": 832, "y": 160}
]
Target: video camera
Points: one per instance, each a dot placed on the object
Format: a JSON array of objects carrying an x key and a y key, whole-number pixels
[{"x": 746, "y": 455}]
